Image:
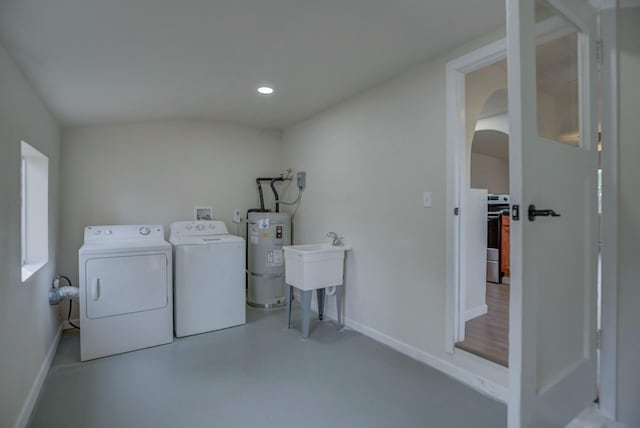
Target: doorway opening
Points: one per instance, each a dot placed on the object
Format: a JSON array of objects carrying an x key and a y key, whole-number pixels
[
  {"x": 564, "y": 94},
  {"x": 481, "y": 184},
  {"x": 485, "y": 241}
]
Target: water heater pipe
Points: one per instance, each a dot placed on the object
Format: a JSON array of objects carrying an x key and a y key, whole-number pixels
[
  {"x": 275, "y": 194},
  {"x": 272, "y": 180}
]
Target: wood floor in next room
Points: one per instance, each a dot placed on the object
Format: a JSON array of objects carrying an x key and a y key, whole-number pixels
[
  {"x": 488, "y": 335},
  {"x": 258, "y": 375}
]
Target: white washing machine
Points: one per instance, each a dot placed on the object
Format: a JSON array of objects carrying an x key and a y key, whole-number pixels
[
  {"x": 209, "y": 277},
  {"x": 125, "y": 290}
]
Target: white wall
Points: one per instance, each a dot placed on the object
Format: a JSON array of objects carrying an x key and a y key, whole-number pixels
[
  {"x": 28, "y": 325},
  {"x": 368, "y": 162},
  {"x": 629, "y": 218},
  {"x": 488, "y": 172},
  {"x": 474, "y": 275},
  {"x": 482, "y": 173},
  {"x": 480, "y": 85},
  {"x": 156, "y": 172}
]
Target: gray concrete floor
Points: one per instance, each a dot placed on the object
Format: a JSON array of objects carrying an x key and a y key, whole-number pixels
[{"x": 261, "y": 375}]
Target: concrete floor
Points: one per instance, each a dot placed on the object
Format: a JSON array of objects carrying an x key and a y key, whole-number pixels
[{"x": 261, "y": 375}]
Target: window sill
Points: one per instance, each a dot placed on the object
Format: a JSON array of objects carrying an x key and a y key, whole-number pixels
[{"x": 29, "y": 269}]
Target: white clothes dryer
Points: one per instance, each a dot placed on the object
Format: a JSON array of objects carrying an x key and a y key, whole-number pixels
[
  {"x": 126, "y": 303},
  {"x": 209, "y": 277}
]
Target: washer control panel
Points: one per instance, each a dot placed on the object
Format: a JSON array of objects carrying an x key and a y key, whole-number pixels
[
  {"x": 123, "y": 232},
  {"x": 198, "y": 228}
]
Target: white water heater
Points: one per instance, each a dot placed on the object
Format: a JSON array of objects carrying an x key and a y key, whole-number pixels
[{"x": 267, "y": 232}]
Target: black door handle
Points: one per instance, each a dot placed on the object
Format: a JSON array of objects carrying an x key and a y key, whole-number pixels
[{"x": 533, "y": 213}]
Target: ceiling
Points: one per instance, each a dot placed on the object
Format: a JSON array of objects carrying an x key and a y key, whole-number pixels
[{"x": 102, "y": 61}]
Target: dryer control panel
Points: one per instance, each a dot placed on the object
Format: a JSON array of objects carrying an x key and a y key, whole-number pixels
[{"x": 123, "y": 232}]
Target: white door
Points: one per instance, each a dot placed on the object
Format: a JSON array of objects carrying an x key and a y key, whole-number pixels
[
  {"x": 126, "y": 284},
  {"x": 553, "y": 164},
  {"x": 209, "y": 287}
]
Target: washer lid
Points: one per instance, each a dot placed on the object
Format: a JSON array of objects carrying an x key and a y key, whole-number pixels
[
  {"x": 204, "y": 239},
  {"x": 198, "y": 228},
  {"x": 123, "y": 246}
]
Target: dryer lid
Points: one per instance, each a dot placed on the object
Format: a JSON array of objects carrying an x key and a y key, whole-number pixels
[
  {"x": 120, "y": 238},
  {"x": 117, "y": 233},
  {"x": 123, "y": 246}
]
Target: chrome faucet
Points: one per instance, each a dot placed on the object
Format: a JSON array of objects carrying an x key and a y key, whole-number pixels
[{"x": 337, "y": 241}]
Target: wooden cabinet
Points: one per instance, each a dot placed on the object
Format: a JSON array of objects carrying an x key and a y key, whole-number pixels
[{"x": 504, "y": 245}]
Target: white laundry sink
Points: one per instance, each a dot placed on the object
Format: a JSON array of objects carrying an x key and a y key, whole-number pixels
[{"x": 313, "y": 266}]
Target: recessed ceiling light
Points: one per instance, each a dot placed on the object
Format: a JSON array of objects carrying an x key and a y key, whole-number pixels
[{"x": 265, "y": 90}]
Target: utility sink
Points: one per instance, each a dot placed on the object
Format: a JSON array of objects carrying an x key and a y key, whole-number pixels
[{"x": 314, "y": 266}]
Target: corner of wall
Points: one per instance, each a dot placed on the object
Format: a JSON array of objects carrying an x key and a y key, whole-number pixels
[
  {"x": 23, "y": 116},
  {"x": 32, "y": 397}
]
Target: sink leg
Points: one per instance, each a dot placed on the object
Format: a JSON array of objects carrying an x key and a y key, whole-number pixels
[
  {"x": 339, "y": 298},
  {"x": 289, "y": 301},
  {"x": 320, "y": 292},
  {"x": 306, "y": 312}
]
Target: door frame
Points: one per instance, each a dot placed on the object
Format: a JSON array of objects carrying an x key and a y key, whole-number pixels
[
  {"x": 609, "y": 231},
  {"x": 457, "y": 174}
]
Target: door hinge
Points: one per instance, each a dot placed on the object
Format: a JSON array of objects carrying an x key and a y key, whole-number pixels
[
  {"x": 599, "y": 58},
  {"x": 456, "y": 211},
  {"x": 515, "y": 212}
]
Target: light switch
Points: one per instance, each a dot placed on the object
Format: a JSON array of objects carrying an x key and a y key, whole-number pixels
[{"x": 426, "y": 199}]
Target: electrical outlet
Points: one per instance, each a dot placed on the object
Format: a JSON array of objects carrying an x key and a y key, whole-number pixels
[
  {"x": 236, "y": 215},
  {"x": 301, "y": 180},
  {"x": 203, "y": 213},
  {"x": 426, "y": 199}
]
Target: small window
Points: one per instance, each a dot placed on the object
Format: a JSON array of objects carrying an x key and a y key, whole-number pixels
[
  {"x": 558, "y": 64},
  {"x": 34, "y": 224}
]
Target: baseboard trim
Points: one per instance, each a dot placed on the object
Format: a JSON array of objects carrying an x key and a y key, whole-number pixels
[
  {"x": 592, "y": 417},
  {"x": 475, "y": 312},
  {"x": 36, "y": 387},
  {"x": 479, "y": 383},
  {"x": 67, "y": 326},
  {"x": 629, "y": 3}
]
